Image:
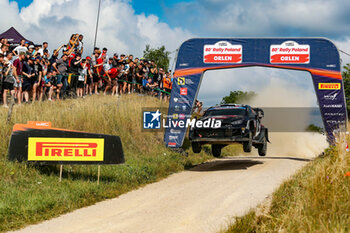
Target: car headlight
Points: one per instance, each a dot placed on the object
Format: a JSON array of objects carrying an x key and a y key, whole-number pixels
[{"x": 237, "y": 122}]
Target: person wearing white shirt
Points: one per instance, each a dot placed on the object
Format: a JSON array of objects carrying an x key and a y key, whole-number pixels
[{"x": 20, "y": 48}]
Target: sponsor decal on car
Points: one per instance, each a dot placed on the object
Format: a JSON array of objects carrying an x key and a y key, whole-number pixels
[
  {"x": 329, "y": 86},
  {"x": 290, "y": 52},
  {"x": 222, "y": 52},
  {"x": 65, "y": 149}
]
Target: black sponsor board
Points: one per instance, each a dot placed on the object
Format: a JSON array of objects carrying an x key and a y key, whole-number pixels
[{"x": 60, "y": 146}]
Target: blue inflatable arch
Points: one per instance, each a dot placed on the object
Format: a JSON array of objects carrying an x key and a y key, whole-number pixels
[{"x": 318, "y": 56}]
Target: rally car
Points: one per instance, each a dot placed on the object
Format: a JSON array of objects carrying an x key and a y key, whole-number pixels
[{"x": 239, "y": 124}]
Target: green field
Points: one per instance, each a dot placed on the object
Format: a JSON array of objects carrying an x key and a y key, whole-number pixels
[{"x": 30, "y": 194}]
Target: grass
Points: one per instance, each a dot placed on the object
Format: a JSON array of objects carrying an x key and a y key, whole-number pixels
[
  {"x": 316, "y": 199},
  {"x": 30, "y": 194}
]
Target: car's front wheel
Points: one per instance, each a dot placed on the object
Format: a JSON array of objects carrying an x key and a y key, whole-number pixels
[
  {"x": 247, "y": 145},
  {"x": 196, "y": 147},
  {"x": 216, "y": 150}
]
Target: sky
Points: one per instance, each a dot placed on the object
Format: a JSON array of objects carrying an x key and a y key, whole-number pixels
[{"x": 126, "y": 26}]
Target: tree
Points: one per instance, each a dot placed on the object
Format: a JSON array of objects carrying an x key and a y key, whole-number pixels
[
  {"x": 238, "y": 97},
  {"x": 159, "y": 55},
  {"x": 346, "y": 80}
]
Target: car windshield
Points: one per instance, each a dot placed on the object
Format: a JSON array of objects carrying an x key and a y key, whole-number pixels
[{"x": 224, "y": 112}]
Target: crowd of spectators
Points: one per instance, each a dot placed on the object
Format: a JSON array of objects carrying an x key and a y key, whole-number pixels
[{"x": 31, "y": 72}]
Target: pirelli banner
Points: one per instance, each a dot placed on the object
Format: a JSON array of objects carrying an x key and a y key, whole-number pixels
[{"x": 37, "y": 142}]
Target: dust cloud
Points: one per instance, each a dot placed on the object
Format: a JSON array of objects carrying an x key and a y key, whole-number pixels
[{"x": 300, "y": 144}]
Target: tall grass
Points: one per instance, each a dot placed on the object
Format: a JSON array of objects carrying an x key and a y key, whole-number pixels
[
  {"x": 29, "y": 194},
  {"x": 316, "y": 199}
]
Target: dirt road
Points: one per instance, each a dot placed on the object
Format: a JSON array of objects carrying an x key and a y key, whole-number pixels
[{"x": 199, "y": 200}]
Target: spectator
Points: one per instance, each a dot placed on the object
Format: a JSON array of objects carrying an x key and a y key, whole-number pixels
[
  {"x": 4, "y": 49},
  {"x": 9, "y": 79},
  {"x": 61, "y": 68},
  {"x": 104, "y": 54},
  {"x": 83, "y": 72},
  {"x": 41, "y": 51},
  {"x": 28, "y": 75},
  {"x": 115, "y": 60},
  {"x": 75, "y": 66},
  {"x": 98, "y": 66},
  {"x": 89, "y": 81},
  {"x": 38, "y": 74},
  {"x": 80, "y": 47},
  {"x": 167, "y": 85},
  {"x": 140, "y": 75},
  {"x": 1, "y": 70},
  {"x": 113, "y": 75},
  {"x": 150, "y": 86},
  {"x": 18, "y": 65},
  {"x": 20, "y": 48}
]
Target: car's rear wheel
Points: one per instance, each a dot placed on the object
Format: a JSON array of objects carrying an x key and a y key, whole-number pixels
[
  {"x": 196, "y": 147},
  {"x": 247, "y": 145},
  {"x": 262, "y": 148},
  {"x": 216, "y": 150}
]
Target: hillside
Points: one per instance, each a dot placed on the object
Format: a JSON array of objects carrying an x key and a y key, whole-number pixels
[{"x": 30, "y": 194}]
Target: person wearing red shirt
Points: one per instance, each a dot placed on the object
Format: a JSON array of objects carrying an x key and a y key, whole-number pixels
[
  {"x": 18, "y": 64},
  {"x": 113, "y": 74},
  {"x": 97, "y": 66}
]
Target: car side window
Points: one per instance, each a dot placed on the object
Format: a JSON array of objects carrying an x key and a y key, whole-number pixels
[{"x": 250, "y": 112}]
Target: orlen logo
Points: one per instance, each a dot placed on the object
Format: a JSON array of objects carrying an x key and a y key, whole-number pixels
[
  {"x": 65, "y": 149},
  {"x": 222, "y": 52},
  {"x": 329, "y": 86},
  {"x": 290, "y": 52}
]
